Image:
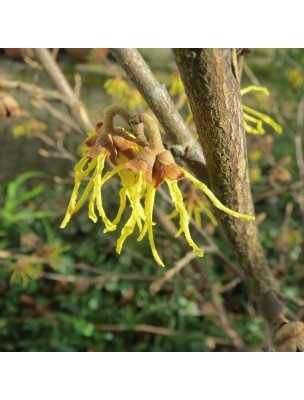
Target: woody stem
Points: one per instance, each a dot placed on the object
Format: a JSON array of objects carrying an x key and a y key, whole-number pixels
[
  {"x": 155, "y": 141},
  {"x": 110, "y": 113}
]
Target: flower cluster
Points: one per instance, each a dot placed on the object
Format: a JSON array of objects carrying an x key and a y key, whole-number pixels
[{"x": 142, "y": 164}]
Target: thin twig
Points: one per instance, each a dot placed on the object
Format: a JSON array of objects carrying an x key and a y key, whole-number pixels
[
  {"x": 292, "y": 300},
  {"x": 223, "y": 319},
  {"x": 163, "y": 107},
  {"x": 95, "y": 279},
  {"x": 298, "y": 142},
  {"x": 299, "y": 139},
  {"x": 291, "y": 187},
  {"x": 61, "y": 151},
  {"x": 155, "y": 330},
  {"x": 78, "y": 84},
  {"x": 178, "y": 266},
  {"x": 33, "y": 90},
  {"x": 229, "y": 286},
  {"x": 240, "y": 60},
  {"x": 66, "y": 119},
  {"x": 77, "y": 107}
]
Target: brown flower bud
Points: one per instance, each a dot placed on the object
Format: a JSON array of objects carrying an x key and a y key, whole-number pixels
[
  {"x": 290, "y": 337},
  {"x": 143, "y": 162},
  {"x": 111, "y": 143},
  {"x": 279, "y": 175},
  {"x": 124, "y": 146},
  {"x": 8, "y": 105},
  {"x": 166, "y": 167}
]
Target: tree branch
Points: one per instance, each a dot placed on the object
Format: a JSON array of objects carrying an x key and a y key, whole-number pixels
[
  {"x": 213, "y": 91},
  {"x": 162, "y": 105},
  {"x": 289, "y": 188},
  {"x": 33, "y": 90}
]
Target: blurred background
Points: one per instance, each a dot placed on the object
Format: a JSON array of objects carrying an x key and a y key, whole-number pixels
[{"x": 67, "y": 290}]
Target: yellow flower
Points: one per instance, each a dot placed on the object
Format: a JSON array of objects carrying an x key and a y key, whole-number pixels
[
  {"x": 23, "y": 270},
  {"x": 255, "y": 155},
  {"x": 255, "y": 117},
  {"x": 196, "y": 205},
  {"x": 177, "y": 87},
  {"x": 255, "y": 174},
  {"x": 141, "y": 169},
  {"x": 125, "y": 93}
]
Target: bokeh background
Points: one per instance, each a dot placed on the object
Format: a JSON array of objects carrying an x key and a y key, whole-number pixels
[{"x": 67, "y": 290}]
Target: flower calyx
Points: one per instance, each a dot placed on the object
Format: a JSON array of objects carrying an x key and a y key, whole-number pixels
[
  {"x": 154, "y": 161},
  {"x": 110, "y": 140}
]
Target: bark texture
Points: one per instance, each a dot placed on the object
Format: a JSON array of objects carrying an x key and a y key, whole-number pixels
[{"x": 211, "y": 81}]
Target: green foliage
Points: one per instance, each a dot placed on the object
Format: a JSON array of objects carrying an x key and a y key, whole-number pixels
[
  {"x": 18, "y": 206},
  {"x": 45, "y": 314}
]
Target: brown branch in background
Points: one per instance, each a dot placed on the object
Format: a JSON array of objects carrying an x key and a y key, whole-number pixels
[
  {"x": 223, "y": 320},
  {"x": 163, "y": 107},
  {"x": 77, "y": 107},
  {"x": 94, "y": 280},
  {"x": 240, "y": 53},
  {"x": 229, "y": 286},
  {"x": 60, "y": 150},
  {"x": 299, "y": 139},
  {"x": 290, "y": 188},
  {"x": 33, "y": 90},
  {"x": 298, "y": 142},
  {"x": 56, "y": 113},
  {"x": 178, "y": 266},
  {"x": 144, "y": 328},
  {"x": 77, "y": 86},
  {"x": 155, "y": 330},
  {"x": 296, "y": 302}
]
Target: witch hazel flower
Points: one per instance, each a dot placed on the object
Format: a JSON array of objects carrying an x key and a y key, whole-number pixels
[
  {"x": 196, "y": 205},
  {"x": 142, "y": 164},
  {"x": 254, "y": 120}
]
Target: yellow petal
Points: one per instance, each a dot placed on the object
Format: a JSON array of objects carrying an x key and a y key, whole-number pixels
[
  {"x": 92, "y": 214},
  {"x": 134, "y": 198},
  {"x": 172, "y": 215},
  {"x": 89, "y": 186},
  {"x": 255, "y": 89},
  {"x": 78, "y": 178},
  {"x": 215, "y": 201},
  {"x": 98, "y": 195},
  {"x": 197, "y": 217},
  {"x": 149, "y": 205},
  {"x": 123, "y": 201},
  {"x": 184, "y": 219},
  {"x": 258, "y": 130},
  {"x": 265, "y": 118},
  {"x": 210, "y": 216}
]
